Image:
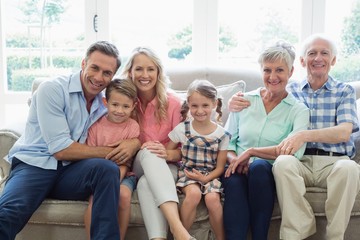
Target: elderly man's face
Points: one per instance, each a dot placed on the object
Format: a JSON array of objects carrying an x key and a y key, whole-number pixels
[{"x": 318, "y": 59}]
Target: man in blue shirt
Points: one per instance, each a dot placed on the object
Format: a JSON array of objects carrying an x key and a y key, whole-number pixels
[
  {"x": 326, "y": 162},
  {"x": 51, "y": 160}
]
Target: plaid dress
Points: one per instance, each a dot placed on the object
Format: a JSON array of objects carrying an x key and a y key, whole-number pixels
[{"x": 200, "y": 153}]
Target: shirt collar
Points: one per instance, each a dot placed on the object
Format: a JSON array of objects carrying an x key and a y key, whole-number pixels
[
  {"x": 290, "y": 99},
  {"x": 153, "y": 103},
  {"x": 330, "y": 84},
  {"x": 75, "y": 83}
]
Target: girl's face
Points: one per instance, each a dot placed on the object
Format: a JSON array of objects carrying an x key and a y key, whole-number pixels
[
  {"x": 201, "y": 107},
  {"x": 144, "y": 73},
  {"x": 276, "y": 75},
  {"x": 119, "y": 107}
]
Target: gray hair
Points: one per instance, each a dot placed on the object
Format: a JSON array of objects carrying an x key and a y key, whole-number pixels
[
  {"x": 318, "y": 36},
  {"x": 281, "y": 50}
]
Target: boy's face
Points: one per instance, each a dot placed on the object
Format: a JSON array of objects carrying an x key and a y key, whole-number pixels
[{"x": 119, "y": 107}]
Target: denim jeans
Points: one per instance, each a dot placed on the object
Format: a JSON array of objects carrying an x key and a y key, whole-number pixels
[{"x": 28, "y": 186}]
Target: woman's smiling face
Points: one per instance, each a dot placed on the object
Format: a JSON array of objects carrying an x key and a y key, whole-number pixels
[
  {"x": 276, "y": 75},
  {"x": 144, "y": 73}
]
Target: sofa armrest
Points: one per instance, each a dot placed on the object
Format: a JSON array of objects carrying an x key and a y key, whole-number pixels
[
  {"x": 356, "y": 137},
  {"x": 8, "y": 136}
]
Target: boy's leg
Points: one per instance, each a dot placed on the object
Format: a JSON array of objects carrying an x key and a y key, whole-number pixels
[{"x": 127, "y": 187}]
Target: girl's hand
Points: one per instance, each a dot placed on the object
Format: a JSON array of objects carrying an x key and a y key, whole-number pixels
[{"x": 195, "y": 175}]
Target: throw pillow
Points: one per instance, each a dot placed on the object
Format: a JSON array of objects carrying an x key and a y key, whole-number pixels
[{"x": 225, "y": 92}]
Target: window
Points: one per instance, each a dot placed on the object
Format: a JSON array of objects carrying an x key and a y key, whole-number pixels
[
  {"x": 342, "y": 24},
  {"x": 188, "y": 32},
  {"x": 144, "y": 23},
  {"x": 245, "y": 29},
  {"x": 39, "y": 41}
]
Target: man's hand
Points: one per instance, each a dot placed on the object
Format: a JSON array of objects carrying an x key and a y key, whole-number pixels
[
  {"x": 290, "y": 145},
  {"x": 237, "y": 102},
  {"x": 123, "y": 150}
]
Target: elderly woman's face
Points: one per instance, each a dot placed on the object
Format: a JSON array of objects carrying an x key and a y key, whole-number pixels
[{"x": 276, "y": 75}]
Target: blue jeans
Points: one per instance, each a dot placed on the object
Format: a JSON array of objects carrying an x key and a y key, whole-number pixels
[
  {"x": 28, "y": 186},
  {"x": 249, "y": 202}
]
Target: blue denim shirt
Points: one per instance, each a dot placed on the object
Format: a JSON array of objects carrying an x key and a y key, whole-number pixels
[{"x": 57, "y": 117}]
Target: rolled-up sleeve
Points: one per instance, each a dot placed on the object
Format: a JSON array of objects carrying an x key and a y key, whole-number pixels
[{"x": 52, "y": 118}]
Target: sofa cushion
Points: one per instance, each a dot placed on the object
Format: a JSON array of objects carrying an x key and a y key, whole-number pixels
[{"x": 224, "y": 92}]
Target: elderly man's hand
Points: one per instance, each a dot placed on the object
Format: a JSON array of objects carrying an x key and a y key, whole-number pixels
[{"x": 237, "y": 102}]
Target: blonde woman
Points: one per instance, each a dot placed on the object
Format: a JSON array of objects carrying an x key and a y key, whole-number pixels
[{"x": 158, "y": 113}]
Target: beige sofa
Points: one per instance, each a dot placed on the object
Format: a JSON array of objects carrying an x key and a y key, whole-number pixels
[{"x": 58, "y": 220}]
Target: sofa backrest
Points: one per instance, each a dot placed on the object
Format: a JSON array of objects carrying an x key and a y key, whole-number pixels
[{"x": 181, "y": 77}]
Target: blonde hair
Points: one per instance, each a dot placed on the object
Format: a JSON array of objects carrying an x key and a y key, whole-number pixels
[{"x": 162, "y": 82}]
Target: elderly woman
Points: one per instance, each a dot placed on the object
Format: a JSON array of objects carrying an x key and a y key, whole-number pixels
[{"x": 273, "y": 115}]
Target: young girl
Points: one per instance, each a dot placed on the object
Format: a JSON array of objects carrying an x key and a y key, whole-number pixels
[
  {"x": 204, "y": 149},
  {"x": 121, "y": 99}
]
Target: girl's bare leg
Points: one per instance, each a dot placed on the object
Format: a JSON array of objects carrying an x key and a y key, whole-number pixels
[
  {"x": 188, "y": 208},
  {"x": 213, "y": 204}
]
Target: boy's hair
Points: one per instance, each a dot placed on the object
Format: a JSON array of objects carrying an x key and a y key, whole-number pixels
[
  {"x": 123, "y": 86},
  {"x": 206, "y": 89}
]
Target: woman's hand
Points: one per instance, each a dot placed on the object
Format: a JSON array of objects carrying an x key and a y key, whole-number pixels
[
  {"x": 240, "y": 165},
  {"x": 237, "y": 102},
  {"x": 156, "y": 148}
]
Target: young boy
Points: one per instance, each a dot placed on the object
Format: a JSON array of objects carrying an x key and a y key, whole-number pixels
[{"x": 117, "y": 125}]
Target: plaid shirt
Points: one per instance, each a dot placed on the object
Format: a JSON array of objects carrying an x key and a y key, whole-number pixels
[{"x": 332, "y": 104}]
